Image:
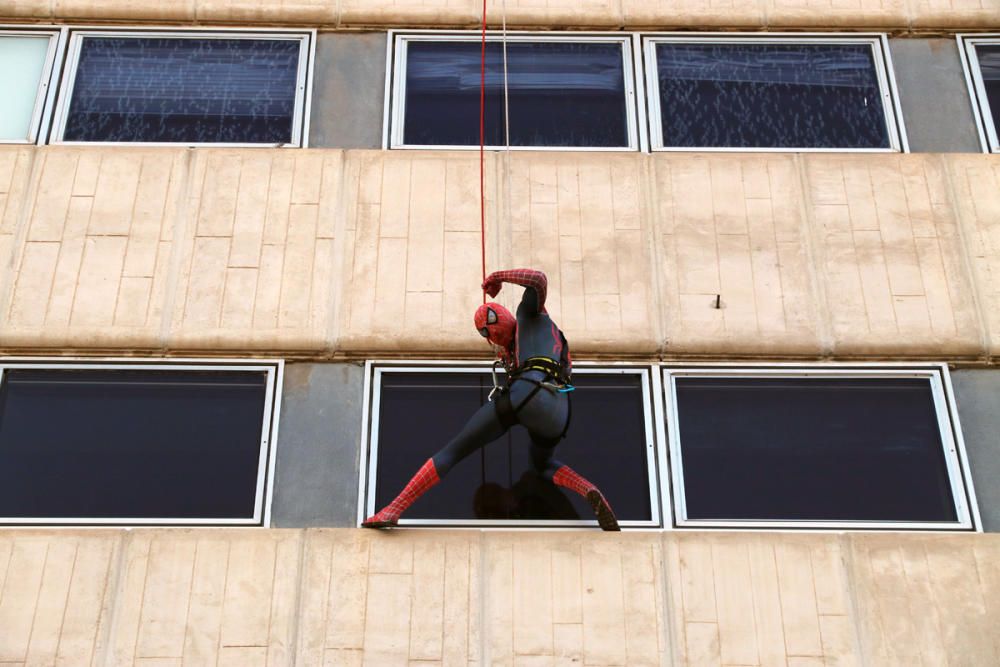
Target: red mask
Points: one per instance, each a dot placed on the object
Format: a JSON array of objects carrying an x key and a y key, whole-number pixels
[{"x": 496, "y": 324}]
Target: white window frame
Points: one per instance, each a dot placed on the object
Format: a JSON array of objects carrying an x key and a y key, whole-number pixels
[
  {"x": 878, "y": 42},
  {"x": 989, "y": 136},
  {"x": 45, "y": 95},
  {"x": 268, "y": 438},
  {"x": 956, "y": 459},
  {"x": 303, "y": 89},
  {"x": 395, "y": 104},
  {"x": 374, "y": 370}
]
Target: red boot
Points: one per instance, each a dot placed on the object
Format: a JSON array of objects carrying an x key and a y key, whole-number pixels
[
  {"x": 567, "y": 477},
  {"x": 388, "y": 517}
]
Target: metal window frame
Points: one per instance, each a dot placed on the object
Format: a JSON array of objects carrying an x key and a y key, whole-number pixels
[
  {"x": 303, "y": 90},
  {"x": 395, "y": 103},
  {"x": 371, "y": 404},
  {"x": 264, "y": 491},
  {"x": 45, "y": 93},
  {"x": 989, "y": 136},
  {"x": 937, "y": 375},
  {"x": 878, "y": 42}
]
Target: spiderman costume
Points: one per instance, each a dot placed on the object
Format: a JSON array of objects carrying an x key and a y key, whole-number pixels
[{"x": 532, "y": 399}]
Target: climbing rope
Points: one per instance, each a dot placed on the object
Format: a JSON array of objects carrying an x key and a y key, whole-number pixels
[
  {"x": 482, "y": 148},
  {"x": 482, "y": 128}
]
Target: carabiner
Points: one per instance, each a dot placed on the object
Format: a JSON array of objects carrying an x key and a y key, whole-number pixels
[{"x": 496, "y": 385}]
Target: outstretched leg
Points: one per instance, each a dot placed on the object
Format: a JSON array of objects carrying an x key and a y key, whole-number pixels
[
  {"x": 482, "y": 428},
  {"x": 562, "y": 475}
]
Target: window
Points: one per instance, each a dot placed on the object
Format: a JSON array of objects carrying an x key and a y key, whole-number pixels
[
  {"x": 981, "y": 59},
  {"x": 417, "y": 408},
  {"x": 563, "y": 92},
  {"x": 810, "y": 447},
  {"x": 134, "y": 443},
  {"x": 26, "y": 60},
  {"x": 778, "y": 93},
  {"x": 184, "y": 87}
]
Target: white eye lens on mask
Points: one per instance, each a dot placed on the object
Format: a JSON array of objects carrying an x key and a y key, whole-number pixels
[
  {"x": 484, "y": 332},
  {"x": 491, "y": 316}
]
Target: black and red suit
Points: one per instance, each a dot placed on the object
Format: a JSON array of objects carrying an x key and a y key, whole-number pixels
[{"x": 538, "y": 363}]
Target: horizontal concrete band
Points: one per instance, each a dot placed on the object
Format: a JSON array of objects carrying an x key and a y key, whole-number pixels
[
  {"x": 350, "y": 597},
  {"x": 896, "y": 15},
  {"x": 321, "y": 253}
]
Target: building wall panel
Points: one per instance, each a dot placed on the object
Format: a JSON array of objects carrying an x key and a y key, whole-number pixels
[
  {"x": 923, "y": 599},
  {"x": 891, "y": 257},
  {"x": 933, "y": 96},
  {"x": 752, "y": 14},
  {"x": 255, "y": 256},
  {"x": 836, "y": 13},
  {"x": 53, "y": 594},
  {"x": 582, "y": 219},
  {"x": 349, "y": 596},
  {"x": 412, "y": 250},
  {"x": 91, "y": 246},
  {"x": 315, "y": 252},
  {"x": 201, "y": 596},
  {"x": 733, "y": 256},
  {"x": 976, "y": 183}
]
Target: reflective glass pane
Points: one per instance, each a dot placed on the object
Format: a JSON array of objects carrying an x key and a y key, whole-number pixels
[
  {"x": 130, "y": 443},
  {"x": 560, "y": 94},
  {"x": 606, "y": 443},
  {"x": 163, "y": 89},
  {"x": 770, "y": 96},
  {"x": 989, "y": 67},
  {"x": 22, "y": 65},
  {"x": 812, "y": 449}
]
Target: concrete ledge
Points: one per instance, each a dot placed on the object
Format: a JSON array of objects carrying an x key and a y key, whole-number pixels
[
  {"x": 348, "y": 596},
  {"x": 895, "y": 15}
]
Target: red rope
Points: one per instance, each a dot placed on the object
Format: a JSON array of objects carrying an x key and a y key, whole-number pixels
[{"x": 482, "y": 148}]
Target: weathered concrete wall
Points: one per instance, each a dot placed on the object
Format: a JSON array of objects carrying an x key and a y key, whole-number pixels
[
  {"x": 351, "y": 597},
  {"x": 659, "y": 14},
  {"x": 318, "y": 253},
  {"x": 934, "y": 97},
  {"x": 977, "y": 395},
  {"x": 348, "y": 90},
  {"x": 316, "y": 482}
]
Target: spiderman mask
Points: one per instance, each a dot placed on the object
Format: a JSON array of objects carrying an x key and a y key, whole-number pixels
[{"x": 496, "y": 324}]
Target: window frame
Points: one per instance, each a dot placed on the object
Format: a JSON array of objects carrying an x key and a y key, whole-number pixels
[
  {"x": 395, "y": 99},
  {"x": 989, "y": 133},
  {"x": 268, "y": 443},
  {"x": 368, "y": 470},
  {"x": 878, "y": 42},
  {"x": 48, "y": 83},
  {"x": 303, "y": 87},
  {"x": 949, "y": 426}
]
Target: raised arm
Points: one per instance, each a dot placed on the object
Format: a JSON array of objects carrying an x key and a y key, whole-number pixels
[{"x": 535, "y": 286}]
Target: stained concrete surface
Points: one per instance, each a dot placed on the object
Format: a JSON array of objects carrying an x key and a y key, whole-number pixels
[
  {"x": 316, "y": 482},
  {"x": 933, "y": 95},
  {"x": 977, "y": 394},
  {"x": 348, "y": 91}
]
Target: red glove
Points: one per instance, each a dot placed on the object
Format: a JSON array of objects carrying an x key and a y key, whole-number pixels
[{"x": 492, "y": 286}]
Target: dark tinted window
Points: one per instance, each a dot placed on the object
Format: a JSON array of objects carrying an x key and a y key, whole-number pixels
[
  {"x": 770, "y": 95},
  {"x": 812, "y": 449},
  {"x": 606, "y": 443},
  {"x": 162, "y": 89},
  {"x": 989, "y": 68},
  {"x": 130, "y": 443},
  {"x": 561, "y": 94}
]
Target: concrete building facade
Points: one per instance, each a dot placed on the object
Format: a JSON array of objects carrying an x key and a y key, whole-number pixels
[{"x": 339, "y": 251}]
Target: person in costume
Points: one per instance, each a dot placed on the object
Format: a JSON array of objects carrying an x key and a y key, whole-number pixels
[{"x": 536, "y": 356}]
